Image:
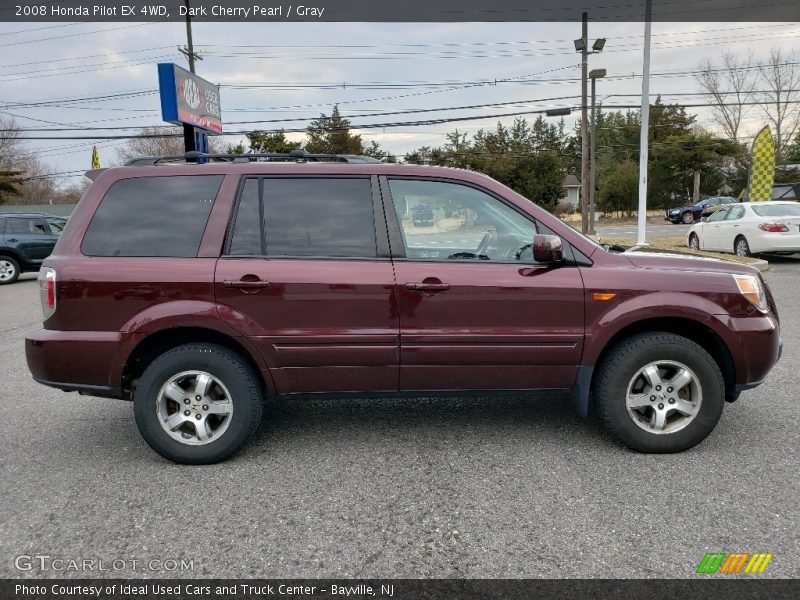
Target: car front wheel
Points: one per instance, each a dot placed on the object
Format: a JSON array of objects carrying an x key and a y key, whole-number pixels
[
  {"x": 198, "y": 404},
  {"x": 694, "y": 242},
  {"x": 687, "y": 217},
  {"x": 659, "y": 392}
]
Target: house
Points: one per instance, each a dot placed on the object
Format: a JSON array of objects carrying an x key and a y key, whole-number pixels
[{"x": 572, "y": 188}]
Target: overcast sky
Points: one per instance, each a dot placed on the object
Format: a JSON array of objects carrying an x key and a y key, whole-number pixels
[{"x": 108, "y": 58}]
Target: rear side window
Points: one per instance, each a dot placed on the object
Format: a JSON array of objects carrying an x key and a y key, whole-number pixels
[
  {"x": 25, "y": 226},
  {"x": 323, "y": 217},
  {"x": 152, "y": 216}
]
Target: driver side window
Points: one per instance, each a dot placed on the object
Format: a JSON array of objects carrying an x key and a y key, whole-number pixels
[{"x": 443, "y": 221}]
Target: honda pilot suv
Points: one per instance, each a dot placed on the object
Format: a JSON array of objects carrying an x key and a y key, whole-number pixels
[{"x": 199, "y": 290}]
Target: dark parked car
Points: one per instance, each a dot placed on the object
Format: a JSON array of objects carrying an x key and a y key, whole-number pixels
[
  {"x": 694, "y": 212},
  {"x": 25, "y": 241},
  {"x": 422, "y": 215},
  {"x": 197, "y": 290}
]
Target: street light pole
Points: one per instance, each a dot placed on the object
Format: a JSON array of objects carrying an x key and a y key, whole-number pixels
[
  {"x": 594, "y": 75},
  {"x": 645, "y": 128},
  {"x": 582, "y": 46},
  {"x": 584, "y": 125}
]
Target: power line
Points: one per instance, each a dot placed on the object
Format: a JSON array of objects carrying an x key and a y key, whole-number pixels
[
  {"x": 480, "y": 82},
  {"x": 55, "y": 60},
  {"x": 60, "y": 37},
  {"x": 362, "y": 126}
]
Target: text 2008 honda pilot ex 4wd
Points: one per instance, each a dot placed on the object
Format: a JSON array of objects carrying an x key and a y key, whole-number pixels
[{"x": 197, "y": 290}]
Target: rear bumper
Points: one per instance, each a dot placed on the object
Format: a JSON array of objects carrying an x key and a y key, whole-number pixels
[{"x": 81, "y": 361}]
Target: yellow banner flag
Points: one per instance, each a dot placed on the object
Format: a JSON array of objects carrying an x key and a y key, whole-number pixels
[
  {"x": 95, "y": 158},
  {"x": 762, "y": 167}
]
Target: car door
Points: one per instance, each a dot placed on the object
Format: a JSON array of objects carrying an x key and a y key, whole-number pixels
[
  {"x": 712, "y": 230},
  {"x": 30, "y": 237},
  {"x": 307, "y": 276},
  {"x": 475, "y": 311},
  {"x": 731, "y": 227}
]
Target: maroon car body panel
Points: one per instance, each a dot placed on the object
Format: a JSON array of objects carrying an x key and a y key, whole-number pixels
[
  {"x": 320, "y": 324},
  {"x": 354, "y": 326},
  {"x": 497, "y": 326}
]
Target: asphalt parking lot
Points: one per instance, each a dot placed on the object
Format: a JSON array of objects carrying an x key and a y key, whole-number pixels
[
  {"x": 654, "y": 230},
  {"x": 472, "y": 488}
]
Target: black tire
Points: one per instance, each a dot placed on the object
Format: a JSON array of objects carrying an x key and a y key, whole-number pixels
[
  {"x": 688, "y": 217},
  {"x": 223, "y": 364},
  {"x": 620, "y": 366},
  {"x": 741, "y": 247},
  {"x": 694, "y": 242},
  {"x": 12, "y": 264}
]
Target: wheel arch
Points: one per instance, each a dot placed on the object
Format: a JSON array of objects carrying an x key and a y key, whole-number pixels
[
  {"x": 13, "y": 254},
  {"x": 155, "y": 344},
  {"x": 693, "y": 330}
]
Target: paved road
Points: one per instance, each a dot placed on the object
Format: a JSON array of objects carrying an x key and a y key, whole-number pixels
[
  {"x": 664, "y": 229},
  {"x": 422, "y": 488}
]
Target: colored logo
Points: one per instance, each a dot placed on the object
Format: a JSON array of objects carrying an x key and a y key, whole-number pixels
[
  {"x": 190, "y": 93},
  {"x": 734, "y": 562}
]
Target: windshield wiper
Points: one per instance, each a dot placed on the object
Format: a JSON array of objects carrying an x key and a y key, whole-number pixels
[{"x": 469, "y": 255}]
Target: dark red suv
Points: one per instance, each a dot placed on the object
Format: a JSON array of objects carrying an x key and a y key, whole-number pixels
[{"x": 197, "y": 290}]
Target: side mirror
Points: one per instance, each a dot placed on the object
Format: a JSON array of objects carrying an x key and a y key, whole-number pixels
[
  {"x": 547, "y": 249},
  {"x": 704, "y": 220}
]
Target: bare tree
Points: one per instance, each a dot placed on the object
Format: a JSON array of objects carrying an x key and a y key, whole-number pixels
[
  {"x": 780, "y": 78},
  {"x": 727, "y": 88},
  {"x": 158, "y": 141},
  {"x": 11, "y": 145}
]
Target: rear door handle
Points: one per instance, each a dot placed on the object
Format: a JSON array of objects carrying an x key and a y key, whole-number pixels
[
  {"x": 13, "y": 240},
  {"x": 422, "y": 286}
]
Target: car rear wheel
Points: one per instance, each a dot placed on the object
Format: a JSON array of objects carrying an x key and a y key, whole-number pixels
[
  {"x": 694, "y": 242},
  {"x": 659, "y": 392},
  {"x": 741, "y": 247},
  {"x": 198, "y": 404},
  {"x": 9, "y": 270},
  {"x": 687, "y": 217}
]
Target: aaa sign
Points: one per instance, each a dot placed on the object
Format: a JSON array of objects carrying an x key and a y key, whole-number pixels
[{"x": 189, "y": 99}]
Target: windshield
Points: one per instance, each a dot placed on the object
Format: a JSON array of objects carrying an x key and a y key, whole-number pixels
[{"x": 777, "y": 210}]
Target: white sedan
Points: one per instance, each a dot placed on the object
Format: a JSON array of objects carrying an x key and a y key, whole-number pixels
[{"x": 749, "y": 228}]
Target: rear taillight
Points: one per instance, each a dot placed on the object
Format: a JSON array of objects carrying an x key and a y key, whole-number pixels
[
  {"x": 47, "y": 291},
  {"x": 773, "y": 227}
]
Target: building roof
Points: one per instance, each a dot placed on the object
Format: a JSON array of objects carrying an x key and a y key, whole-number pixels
[{"x": 571, "y": 181}]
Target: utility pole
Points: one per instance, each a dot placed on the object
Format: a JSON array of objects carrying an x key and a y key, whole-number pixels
[
  {"x": 594, "y": 75},
  {"x": 584, "y": 125},
  {"x": 644, "y": 133},
  {"x": 189, "y": 140}
]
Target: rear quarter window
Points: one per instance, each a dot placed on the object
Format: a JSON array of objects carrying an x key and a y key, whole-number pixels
[{"x": 152, "y": 216}]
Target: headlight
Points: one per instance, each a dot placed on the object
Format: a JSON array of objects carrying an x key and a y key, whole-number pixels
[
  {"x": 750, "y": 287},
  {"x": 674, "y": 212}
]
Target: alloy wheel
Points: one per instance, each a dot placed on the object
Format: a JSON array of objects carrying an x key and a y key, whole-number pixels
[
  {"x": 663, "y": 397},
  {"x": 7, "y": 270},
  {"x": 742, "y": 247},
  {"x": 194, "y": 408}
]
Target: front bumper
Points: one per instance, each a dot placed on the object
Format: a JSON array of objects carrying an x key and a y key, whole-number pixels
[
  {"x": 75, "y": 361},
  {"x": 758, "y": 349}
]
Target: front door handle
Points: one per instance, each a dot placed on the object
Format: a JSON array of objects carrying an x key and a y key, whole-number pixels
[
  {"x": 248, "y": 283},
  {"x": 427, "y": 286},
  {"x": 13, "y": 240}
]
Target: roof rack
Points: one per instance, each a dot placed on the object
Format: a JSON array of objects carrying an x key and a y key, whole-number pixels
[{"x": 294, "y": 155}]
